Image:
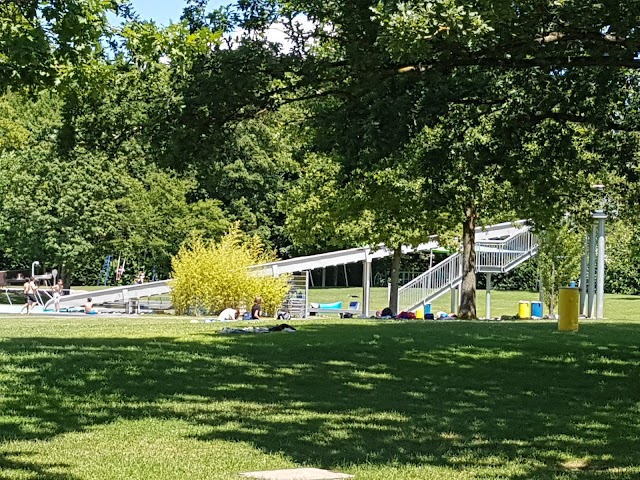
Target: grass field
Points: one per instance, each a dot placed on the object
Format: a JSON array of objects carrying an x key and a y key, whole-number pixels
[
  {"x": 502, "y": 303},
  {"x": 163, "y": 398}
]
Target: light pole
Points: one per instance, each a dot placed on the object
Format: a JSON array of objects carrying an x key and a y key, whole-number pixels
[
  {"x": 600, "y": 216},
  {"x": 33, "y": 268}
]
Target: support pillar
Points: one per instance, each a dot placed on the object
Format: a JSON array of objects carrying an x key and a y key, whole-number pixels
[
  {"x": 583, "y": 278},
  {"x": 592, "y": 272},
  {"x": 324, "y": 277},
  {"x": 454, "y": 307},
  {"x": 308, "y": 277},
  {"x": 601, "y": 217},
  {"x": 366, "y": 285},
  {"x": 488, "y": 306}
]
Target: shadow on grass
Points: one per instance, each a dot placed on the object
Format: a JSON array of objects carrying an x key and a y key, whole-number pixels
[
  {"x": 15, "y": 462},
  {"x": 458, "y": 394}
]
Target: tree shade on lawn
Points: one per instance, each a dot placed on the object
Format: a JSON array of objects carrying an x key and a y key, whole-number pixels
[{"x": 410, "y": 400}]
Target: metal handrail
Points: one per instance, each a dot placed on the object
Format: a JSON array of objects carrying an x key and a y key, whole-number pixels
[
  {"x": 6, "y": 292},
  {"x": 431, "y": 282},
  {"x": 503, "y": 256}
]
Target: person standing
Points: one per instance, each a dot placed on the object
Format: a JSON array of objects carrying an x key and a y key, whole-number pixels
[
  {"x": 29, "y": 290},
  {"x": 58, "y": 289},
  {"x": 119, "y": 272}
]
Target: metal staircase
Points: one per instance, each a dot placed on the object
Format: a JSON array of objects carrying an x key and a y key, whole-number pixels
[
  {"x": 493, "y": 255},
  {"x": 502, "y": 256},
  {"x": 296, "y": 301}
]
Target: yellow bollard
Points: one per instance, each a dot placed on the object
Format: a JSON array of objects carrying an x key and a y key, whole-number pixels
[
  {"x": 524, "y": 310},
  {"x": 568, "y": 305}
]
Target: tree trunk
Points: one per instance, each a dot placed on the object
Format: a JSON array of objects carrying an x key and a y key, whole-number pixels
[
  {"x": 468, "y": 296},
  {"x": 395, "y": 277},
  {"x": 65, "y": 274}
]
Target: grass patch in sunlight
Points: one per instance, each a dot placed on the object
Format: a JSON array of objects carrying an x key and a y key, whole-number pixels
[{"x": 162, "y": 398}]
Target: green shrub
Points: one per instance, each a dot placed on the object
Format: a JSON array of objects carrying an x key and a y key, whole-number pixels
[
  {"x": 559, "y": 257},
  {"x": 211, "y": 276},
  {"x": 622, "y": 258}
]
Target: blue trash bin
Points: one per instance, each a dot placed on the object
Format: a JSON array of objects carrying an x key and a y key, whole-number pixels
[
  {"x": 427, "y": 308},
  {"x": 536, "y": 309}
]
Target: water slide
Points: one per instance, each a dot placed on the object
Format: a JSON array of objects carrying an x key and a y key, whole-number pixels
[{"x": 124, "y": 294}]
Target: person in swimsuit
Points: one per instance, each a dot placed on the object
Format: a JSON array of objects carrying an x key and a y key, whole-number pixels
[
  {"x": 29, "y": 290},
  {"x": 57, "y": 293},
  {"x": 88, "y": 307}
]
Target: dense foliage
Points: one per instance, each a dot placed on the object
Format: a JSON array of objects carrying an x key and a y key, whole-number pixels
[
  {"x": 68, "y": 209},
  {"x": 375, "y": 122},
  {"x": 211, "y": 276}
]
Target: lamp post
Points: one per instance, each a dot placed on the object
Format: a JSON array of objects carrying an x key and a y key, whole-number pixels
[
  {"x": 600, "y": 217},
  {"x": 33, "y": 268}
]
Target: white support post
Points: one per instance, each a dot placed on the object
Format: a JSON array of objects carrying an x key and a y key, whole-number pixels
[
  {"x": 592, "y": 272},
  {"x": 583, "y": 277},
  {"x": 488, "y": 308},
  {"x": 366, "y": 285},
  {"x": 454, "y": 308},
  {"x": 601, "y": 217},
  {"x": 306, "y": 293},
  {"x": 125, "y": 299}
]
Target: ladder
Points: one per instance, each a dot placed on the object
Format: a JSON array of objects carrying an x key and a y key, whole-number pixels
[
  {"x": 295, "y": 303},
  {"x": 103, "y": 277}
]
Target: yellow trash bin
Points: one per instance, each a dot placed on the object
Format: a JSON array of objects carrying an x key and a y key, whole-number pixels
[
  {"x": 524, "y": 309},
  {"x": 420, "y": 313},
  {"x": 568, "y": 306}
]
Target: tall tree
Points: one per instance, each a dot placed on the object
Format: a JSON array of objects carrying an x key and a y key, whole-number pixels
[
  {"x": 45, "y": 43},
  {"x": 70, "y": 208},
  {"x": 331, "y": 208},
  {"x": 519, "y": 69}
]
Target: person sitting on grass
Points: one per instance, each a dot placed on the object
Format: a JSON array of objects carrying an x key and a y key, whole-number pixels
[
  {"x": 229, "y": 314},
  {"x": 256, "y": 310}
]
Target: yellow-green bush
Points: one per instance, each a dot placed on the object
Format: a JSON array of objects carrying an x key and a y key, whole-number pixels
[{"x": 211, "y": 276}]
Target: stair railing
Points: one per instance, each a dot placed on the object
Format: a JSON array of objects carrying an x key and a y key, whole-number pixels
[
  {"x": 431, "y": 282},
  {"x": 491, "y": 256},
  {"x": 503, "y": 255}
]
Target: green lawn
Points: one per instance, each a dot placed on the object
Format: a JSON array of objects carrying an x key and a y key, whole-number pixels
[
  {"x": 502, "y": 303},
  {"x": 163, "y": 398}
]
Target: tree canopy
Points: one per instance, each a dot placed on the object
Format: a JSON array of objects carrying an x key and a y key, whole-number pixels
[{"x": 374, "y": 122}]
